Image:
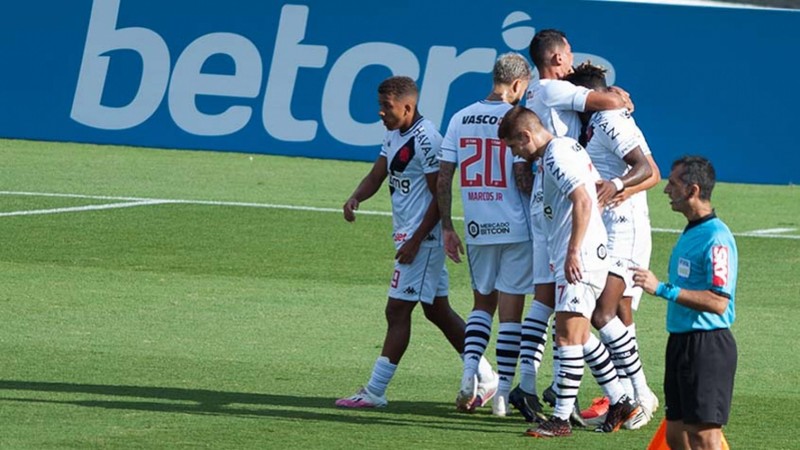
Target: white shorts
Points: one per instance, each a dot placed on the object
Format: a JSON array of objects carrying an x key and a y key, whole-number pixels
[
  {"x": 422, "y": 280},
  {"x": 582, "y": 296},
  {"x": 501, "y": 267},
  {"x": 542, "y": 267},
  {"x": 629, "y": 245}
]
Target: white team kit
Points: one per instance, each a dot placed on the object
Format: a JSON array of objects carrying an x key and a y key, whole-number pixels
[
  {"x": 612, "y": 135},
  {"x": 410, "y": 156},
  {"x": 495, "y": 211},
  {"x": 567, "y": 166},
  {"x": 555, "y": 102}
]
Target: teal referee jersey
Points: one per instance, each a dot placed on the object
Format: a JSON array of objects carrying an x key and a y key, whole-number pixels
[{"x": 704, "y": 258}]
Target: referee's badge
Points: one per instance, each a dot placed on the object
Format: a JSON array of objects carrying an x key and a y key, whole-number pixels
[{"x": 684, "y": 268}]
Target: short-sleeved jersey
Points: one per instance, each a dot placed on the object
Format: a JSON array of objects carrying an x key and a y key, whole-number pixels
[
  {"x": 410, "y": 156},
  {"x": 611, "y": 136},
  {"x": 556, "y": 103},
  {"x": 495, "y": 211},
  {"x": 704, "y": 258},
  {"x": 566, "y": 167}
]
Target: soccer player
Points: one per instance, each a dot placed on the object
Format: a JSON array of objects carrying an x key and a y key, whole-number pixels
[
  {"x": 621, "y": 155},
  {"x": 556, "y": 103},
  {"x": 576, "y": 240},
  {"x": 701, "y": 352},
  {"x": 494, "y": 191},
  {"x": 408, "y": 158}
]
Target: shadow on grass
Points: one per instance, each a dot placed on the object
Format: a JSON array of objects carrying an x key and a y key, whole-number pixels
[{"x": 254, "y": 405}]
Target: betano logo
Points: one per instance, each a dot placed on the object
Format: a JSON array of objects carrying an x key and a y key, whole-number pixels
[{"x": 184, "y": 81}]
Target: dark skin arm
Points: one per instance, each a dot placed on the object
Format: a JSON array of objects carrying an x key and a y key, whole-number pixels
[
  {"x": 408, "y": 251},
  {"x": 366, "y": 189},
  {"x": 626, "y": 193},
  {"x": 523, "y": 175},
  {"x": 639, "y": 173},
  {"x": 704, "y": 301},
  {"x": 444, "y": 188}
]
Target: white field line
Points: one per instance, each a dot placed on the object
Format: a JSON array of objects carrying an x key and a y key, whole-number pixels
[
  {"x": 35, "y": 212},
  {"x": 139, "y": 201}
]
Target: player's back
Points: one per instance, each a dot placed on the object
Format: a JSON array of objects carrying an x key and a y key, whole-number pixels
[
  {"x": 494, "y": 208},
  {"x": 557, "y": 103}
]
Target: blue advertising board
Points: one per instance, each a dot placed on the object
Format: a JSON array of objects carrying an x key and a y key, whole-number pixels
[{"x": 300, "y": 78}]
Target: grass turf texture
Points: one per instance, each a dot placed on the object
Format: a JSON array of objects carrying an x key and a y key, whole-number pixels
[{"x": 184, "y": 325}]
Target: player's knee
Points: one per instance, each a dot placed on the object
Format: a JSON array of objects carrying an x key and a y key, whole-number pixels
[
  {"x": 398, "y": 312},
  {"x": 601, "y": 316}
]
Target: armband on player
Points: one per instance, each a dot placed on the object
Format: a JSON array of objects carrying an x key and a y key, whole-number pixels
[{"x": 668, "y": 291}]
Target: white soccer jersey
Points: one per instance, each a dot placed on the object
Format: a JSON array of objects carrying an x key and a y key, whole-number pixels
[
  {"x": 567, "y": 166},
  {"x": 494, "y": 209},
  {"x": 557, "y": 103},
  {"x": 409, "y": 157},
  {"x": 611, "y": 136}
]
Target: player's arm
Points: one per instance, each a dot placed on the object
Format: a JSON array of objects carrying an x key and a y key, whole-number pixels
[
  {"x": 701, "y": 300},
  {"x": 640, "y": 171},
  {"x": 444, "y": 193},
  {"x": 366, "y": 189},
  {"x": 408, "y": 251},
  {"x": 613, "y": 98},
  {"x": 523, "y": 175},
  {"x": 629, "y": 191},
  {"x": 581, "y": 212}
]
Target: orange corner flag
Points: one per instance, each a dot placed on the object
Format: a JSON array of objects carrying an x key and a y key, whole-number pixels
[{"x": 659, "y": 441}]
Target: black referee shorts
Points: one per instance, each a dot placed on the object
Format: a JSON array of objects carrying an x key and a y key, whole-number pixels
[{"x": 698, "y": 376}]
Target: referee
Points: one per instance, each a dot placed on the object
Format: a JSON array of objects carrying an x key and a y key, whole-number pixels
[{"x": 701, "y": 351}]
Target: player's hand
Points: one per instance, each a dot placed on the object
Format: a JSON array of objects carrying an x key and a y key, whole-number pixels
[
  {"x": 605, "y": 192},
  {"x": 620, "y": 198},
  {"x": 350, "y": 207},
  {"x": 572, "y": 267},
  {"x": 625, "y": 96},
  {"x": 645, "y": 279},
  {"x": 407, "y": 252},
  {"x": 452, "y": 245}
]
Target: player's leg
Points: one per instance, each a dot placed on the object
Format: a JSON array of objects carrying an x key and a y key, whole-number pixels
[
  {"x": 407, "y": 287},
  {"x": 534, "y": 329},
  {"x": 512, "y": 285},
  {"x": 613, "y": 332},
  {"x": 479, "y": 322}
]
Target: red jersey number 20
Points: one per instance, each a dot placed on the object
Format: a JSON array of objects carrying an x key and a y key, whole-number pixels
[{"x": 487, "y": 171}]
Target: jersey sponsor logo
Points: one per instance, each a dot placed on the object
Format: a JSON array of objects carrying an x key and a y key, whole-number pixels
[
  {"x": 400, "y": 237},
  {"x": 609, "y": 130},
  {"x": 480, "y": 119},
  {"x": 475, "y": 229},
  {"x": 548, "y": 212},
  {"x": 538, "y": 197},
  {"x": 719, "y": 262},
  {"x": 684, "y": 268},
  {"x": 403, "y": 185}
]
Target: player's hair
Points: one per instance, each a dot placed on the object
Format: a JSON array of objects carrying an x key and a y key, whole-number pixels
[
  {"x": 543, "y": 43},
  {"x": 588, "y": 75},
  {"x": 398, "y": 86},
  {"x": 510, "y": 67},
  {"x": 699, "y": 171},
  {"x": 516, "y": 120}
]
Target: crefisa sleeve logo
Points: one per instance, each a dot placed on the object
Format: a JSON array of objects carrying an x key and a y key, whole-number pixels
[{"x": 719, "y": 263}]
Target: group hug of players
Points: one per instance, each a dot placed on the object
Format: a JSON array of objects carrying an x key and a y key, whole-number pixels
[{"x": 554, "y": 205}]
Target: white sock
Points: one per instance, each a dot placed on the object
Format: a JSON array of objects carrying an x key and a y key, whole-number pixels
[
  {"x": 382, "y": 373},
  {"x": 508, "y": 341},
  {"x": 599, "y": 361},
  {"x": 623, "y": 352},
  {"x": 476, "y": 339},
  {"x": 569, "y": 379},
  {"x": 534, "y": 338}
]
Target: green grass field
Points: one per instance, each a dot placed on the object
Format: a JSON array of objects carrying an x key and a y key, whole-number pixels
[{"x": 185, "y": 313}]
